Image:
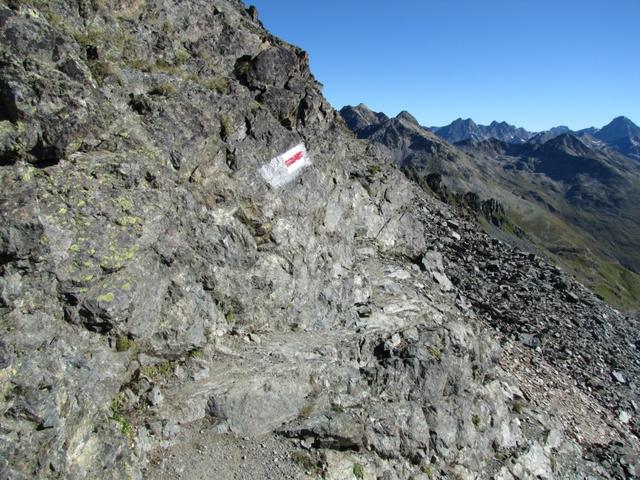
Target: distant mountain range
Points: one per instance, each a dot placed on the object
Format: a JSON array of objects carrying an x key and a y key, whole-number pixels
[
  {"x": 460, "y": 130},
  {"x": 573, "y": 195},
  {"x": 620, "y": 134}
]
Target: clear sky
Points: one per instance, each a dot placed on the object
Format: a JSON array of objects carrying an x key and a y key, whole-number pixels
[{"x": 533, "y": 63}]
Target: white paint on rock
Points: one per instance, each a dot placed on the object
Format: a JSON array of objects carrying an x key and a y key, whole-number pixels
[{"x": 285, "y": 167}]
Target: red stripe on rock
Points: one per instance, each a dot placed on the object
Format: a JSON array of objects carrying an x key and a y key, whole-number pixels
[{"x": 293, "y": 159}]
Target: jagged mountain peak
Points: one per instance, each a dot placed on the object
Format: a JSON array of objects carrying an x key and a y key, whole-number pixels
[
  {"x": 468, "y": 122},
  {"x": 361, "y": 117},
  {"x": 566, "y": 139},
  {"x": 406, "y": 116},
  {"x": 622, "y": 120},
  {"x": 570, "y": 144},
  {"x": 463, "y": 129},
  {"x": 458, "y": 130},
  {"x": 587, "y": 131},
  {"x": 619, "y": 128},
  {"x": 559, "y": 129}
]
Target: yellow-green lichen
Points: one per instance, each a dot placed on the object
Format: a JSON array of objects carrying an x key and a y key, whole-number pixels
[
  {"x": 124, "y": 203},
  {"x": 127, "y": 221},
  {"x": 218, "y": 84},
  {"x": 427, "y": 470},
  {"x": 107, "y": 297},
  {"x": 29, "y": 12},
  {"x": 131, "y": 252},
  {"x": 164, "y": 89},
  {"x": 435, "y": 352},
  {"x": 226, "y": 126},
  {"x": 27, "y": 175},
  {"x": 307, "y": 410}
]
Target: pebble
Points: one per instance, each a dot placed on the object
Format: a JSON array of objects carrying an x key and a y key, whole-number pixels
[
  {"x": 624, "y": 417},
  {"x": 254, "y": 338},
  {"x": 618, "y": 376}
]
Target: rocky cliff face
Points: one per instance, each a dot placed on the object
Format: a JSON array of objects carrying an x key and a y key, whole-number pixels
[{"x": 166, "y": 313}]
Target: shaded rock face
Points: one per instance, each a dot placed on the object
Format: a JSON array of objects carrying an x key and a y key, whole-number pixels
[
  {"x": 491, "y": 209},
  {"x": 621, "y": 134},
  {"x": 153, "y": 285}
]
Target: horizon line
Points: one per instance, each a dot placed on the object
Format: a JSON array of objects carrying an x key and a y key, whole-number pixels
[{"x": 486, "y": 124}]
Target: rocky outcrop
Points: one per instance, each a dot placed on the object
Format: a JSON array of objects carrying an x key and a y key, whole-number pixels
[
  {"x": 491, "y": 209},
  {"x": 157, "y": 294}
]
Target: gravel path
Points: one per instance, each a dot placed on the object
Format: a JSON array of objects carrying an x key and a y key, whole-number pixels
[{"x": 200, "y": 453}]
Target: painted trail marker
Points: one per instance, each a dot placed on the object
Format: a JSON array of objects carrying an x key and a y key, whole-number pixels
[{"x": 285, "y": 167}]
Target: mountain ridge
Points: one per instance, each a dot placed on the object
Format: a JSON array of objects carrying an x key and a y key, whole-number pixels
[
  {"x": 620, "y": 134},
  {"x": 460, "y": 130}
]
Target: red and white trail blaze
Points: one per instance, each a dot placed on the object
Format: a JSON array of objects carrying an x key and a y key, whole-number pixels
[{"x": 285, "y": 167}]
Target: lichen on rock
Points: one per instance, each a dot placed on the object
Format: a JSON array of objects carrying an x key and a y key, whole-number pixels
[{"x": 136, "y": 230}]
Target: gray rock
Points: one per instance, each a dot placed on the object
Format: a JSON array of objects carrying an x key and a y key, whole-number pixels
[
  {"x": 5, "y": 355},
  {"x": 572, "y": 297},
  {"x": 154, "y": 396},
  {"x": 432, "y": 261},
  {"x": 624, "y": 417},
  {"x": 529, "y": 340},
  {"x": 443, "y": 281},
  {"x": 272, "y": 68},
  {"x": 618, "y": 376},
  {"x": 140, "y": 246}
]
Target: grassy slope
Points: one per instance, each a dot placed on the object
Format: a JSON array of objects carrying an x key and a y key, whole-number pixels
[
  {"x": 585, "y": 242},
  {"x": 595, "y": 245}
]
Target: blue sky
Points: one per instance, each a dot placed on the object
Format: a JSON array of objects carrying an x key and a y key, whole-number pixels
[{"x": 533, "y": 63}]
